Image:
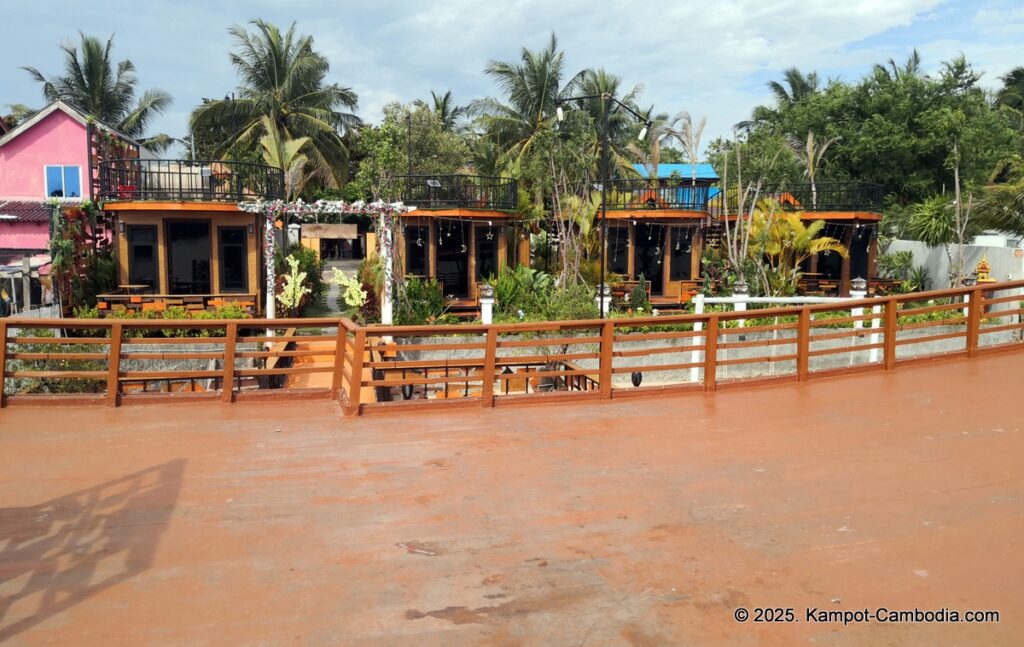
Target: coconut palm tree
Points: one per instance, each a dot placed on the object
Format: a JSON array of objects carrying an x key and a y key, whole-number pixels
[
  {"x": 622, "y": 126},
  {"x": 795, "y": 87},
  {"x": 532, "y": 87},
  {"x": 1011, "y": 94},
  {"x": 283, "y": 79},
  {"x": 93, "y": 83},
  {"x": 286, "y": 154},
  {"x": 444, "y": 107}
]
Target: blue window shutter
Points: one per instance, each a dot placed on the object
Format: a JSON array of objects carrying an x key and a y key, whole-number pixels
[
  {"x": 54, "y": 182},
  {"x": 72, "y": 183}
]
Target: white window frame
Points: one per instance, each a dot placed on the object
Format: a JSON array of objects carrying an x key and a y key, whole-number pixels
[{"x": 81, "y": 186}]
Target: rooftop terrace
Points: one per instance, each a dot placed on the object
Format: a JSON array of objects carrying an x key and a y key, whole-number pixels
[
  {"x": 626, "y": 522},
  {"x": 188, "y": 181}
]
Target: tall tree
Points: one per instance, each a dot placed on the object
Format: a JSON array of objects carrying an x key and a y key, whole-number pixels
[
  {"x": 1011, "y": 94},
  {"x": 811, "y": 154},
  {"x": 532, "y": 88},
  {"x": 443, "y": 105},
  {"x": 284, "y": 79},
  {"x": 795, "y": 87},
  {"x": 95, "y": 84}
]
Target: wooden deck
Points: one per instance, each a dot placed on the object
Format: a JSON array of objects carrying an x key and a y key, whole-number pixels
[{"x": 636, "y": 522}]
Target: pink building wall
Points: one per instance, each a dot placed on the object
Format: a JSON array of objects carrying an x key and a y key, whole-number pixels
[
  {"x": 56, "y": 140},
  {"x": 24, "y": 235}
]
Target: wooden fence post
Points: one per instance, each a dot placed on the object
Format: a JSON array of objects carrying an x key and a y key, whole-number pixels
[
  {"x": 114, "y": 365},
  {"x": 974, "y": 310},
  {"x": 891, "y": 314},
  {"x": 710, "y": 353},
  {"x": 3, "y": 361},
  {"x": 803, "y": 346},
  {"x": 356, "y": 382},
  {"x": 227, "y": 389},
  {"x": 339, "y": 360},
  {"x": 490, "y": 358},
  {"x": 607, "y": 358}
]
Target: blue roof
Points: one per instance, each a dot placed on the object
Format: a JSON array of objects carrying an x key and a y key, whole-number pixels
[{"x": 704, "y": 171}]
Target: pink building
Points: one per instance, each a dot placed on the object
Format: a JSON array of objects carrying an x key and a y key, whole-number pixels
[{"x": 51, "y": 156}]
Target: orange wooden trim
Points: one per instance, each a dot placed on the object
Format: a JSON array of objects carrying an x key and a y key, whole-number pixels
[
  {"x": 147, "y": 205},
  {"x": 648, "y": 214},
  {"x": 483, "y": 214},
  {"x": 840, "y": 215}
]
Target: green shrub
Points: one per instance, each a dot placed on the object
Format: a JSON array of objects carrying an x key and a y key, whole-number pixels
[
  {"x": 421, "y": 303},
  {"x": 638, "y": 300}
]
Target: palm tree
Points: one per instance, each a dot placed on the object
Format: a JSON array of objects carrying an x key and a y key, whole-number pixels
[
  {"x": 785, "y": 241},
  {"x": 910, "y": 69},
  {"x": 648, "y": 152},
  {"x": 795, "y": 87},
  {"x": 811, "y": 154},
  {"x": 689, "y": 138},
  {"x": 93, "y": 83},
  {"x": 286, "y": 154},
  {"x": 622, "y": 126},
  {"x": 1011, "y": 94},
  {"x": 444, "y": 107},
  {"x": 532, "y": 87},
  {"x": 283, "y": 79}
]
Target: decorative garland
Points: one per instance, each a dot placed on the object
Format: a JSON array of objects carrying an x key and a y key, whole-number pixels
[{"x": 274, "y": 212}]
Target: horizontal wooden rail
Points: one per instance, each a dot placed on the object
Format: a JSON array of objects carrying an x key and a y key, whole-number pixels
[{"x": 374, "y": 367}]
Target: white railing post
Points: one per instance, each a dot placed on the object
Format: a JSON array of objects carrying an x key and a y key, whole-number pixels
[
  {"x": 876, "y": 324},
  {"x": 741, "y": 291},
  {"x": 858, "y": 290},
  {"x": 604, "y": 299},
  {"x": 698, "y": 326},
  {"x": 486, "y": 304}
]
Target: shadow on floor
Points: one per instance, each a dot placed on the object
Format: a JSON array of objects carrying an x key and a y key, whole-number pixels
[{"x": 57, "y": 554}]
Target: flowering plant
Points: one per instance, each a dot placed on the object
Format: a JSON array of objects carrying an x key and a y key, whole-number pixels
[{"x": 294, "y": 288}]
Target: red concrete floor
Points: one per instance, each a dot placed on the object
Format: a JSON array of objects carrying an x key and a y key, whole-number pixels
[{"x": 643, "y": 522}]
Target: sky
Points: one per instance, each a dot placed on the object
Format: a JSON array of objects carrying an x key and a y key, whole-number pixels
[{"x": 710, "y": 59}]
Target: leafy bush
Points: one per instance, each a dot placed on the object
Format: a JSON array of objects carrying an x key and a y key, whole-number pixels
[
  {"x": 638, "y": 299},
  {"x": 521, "y": 289},
  {"x": 421, "y": 303},
  {"x": 896, "y": 265},
  {"x": 55, "y": 385}
]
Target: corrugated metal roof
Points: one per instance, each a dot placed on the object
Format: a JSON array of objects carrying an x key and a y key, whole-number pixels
[
  {"x": 24, "y": 211},
  {"x": 704, "y": 170}
]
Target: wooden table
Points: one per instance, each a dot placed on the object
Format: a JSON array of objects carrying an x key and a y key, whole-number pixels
[{"x": 129, "y": 288}]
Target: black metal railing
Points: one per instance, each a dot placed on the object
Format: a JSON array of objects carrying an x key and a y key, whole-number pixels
[
  {"x": 189, "y": 181},
  {"x": 681, "y": 194},
  {"x": 456, "y": 191},
  {"x": 830, "y": 196}
]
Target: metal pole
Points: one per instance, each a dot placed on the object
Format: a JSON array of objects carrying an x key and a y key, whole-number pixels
[{"x": 604, "y": 193}]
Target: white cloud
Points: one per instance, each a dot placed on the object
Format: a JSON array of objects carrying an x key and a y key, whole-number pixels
[{"x": 711, "y": 59}]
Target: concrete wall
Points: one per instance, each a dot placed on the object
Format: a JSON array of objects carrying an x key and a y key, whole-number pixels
[{"x": 1007, "y": 263}]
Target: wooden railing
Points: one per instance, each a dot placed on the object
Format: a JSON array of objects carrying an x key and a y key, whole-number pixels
[{"x": 383, "y": 368}]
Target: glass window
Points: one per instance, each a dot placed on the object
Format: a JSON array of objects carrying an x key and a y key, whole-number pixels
[
  {"x": 417, "y": 244},
  {"x": 142, "y": 255},
  {"x": 486, "y": 253},
  {"x": 233, "y": 259},
  {"x": 63, "y": 182},
  {"x": 188, "y": 257},
  {"x": 681, "y": 260},
  {"x": 618, "y": 250}
]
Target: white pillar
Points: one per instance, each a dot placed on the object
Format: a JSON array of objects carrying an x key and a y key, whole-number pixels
[
  {"x": 385, "y": 242},
  {"x": 695, "y": 357},
  {"x": 858, "y": 290},
  {"x": 876, "y": 323},
  {"x": 604, "y": 299},
  {"x": 268, "y": 259},
  {"x": 741, "y": 291},
  {"x": 486, "y": 304}
]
